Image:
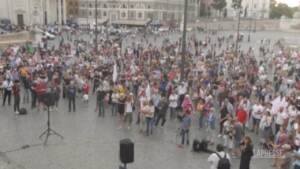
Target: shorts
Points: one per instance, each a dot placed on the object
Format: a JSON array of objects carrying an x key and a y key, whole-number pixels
[
  {"x": 256, "y": 121},
  {"x": 121, "y": 109}
]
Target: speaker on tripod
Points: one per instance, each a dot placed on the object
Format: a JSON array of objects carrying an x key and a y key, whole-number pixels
[
  {"x": 49, "y": 100},
  {"x": 126, "y": 152}
]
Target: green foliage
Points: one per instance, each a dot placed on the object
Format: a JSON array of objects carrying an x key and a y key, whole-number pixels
[
  {"x": 236, "y": 4},
  {"x": 280, "y": 9},
  {"x": 219, "y": 4}
]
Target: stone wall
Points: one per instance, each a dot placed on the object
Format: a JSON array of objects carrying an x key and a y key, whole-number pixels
[
  {"x": 266, "y": 24},
  {"x": 15, "y": 38}
]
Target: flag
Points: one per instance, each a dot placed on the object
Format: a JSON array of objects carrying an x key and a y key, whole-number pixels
[
  {"x": 148, "y": 92},
  {"x": 115, "y": 73}
]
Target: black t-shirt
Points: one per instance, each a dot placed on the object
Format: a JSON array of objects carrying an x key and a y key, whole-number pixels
[{"x": 224, "y": 112}]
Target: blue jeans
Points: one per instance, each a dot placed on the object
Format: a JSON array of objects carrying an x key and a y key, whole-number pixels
[
  {"x": 149, "y": 122},
  {"x": 114, "y": 109},
  {"x": 201, "y": 121},
  {"x": 296, "y": 167},
  {"x": 101, "y": 108},
  {"x": 172, "y": 113},
  {"x": 185, "y": 132}
]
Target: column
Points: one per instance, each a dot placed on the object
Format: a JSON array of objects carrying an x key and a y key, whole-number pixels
[
  {"x": 64, "y": 12},
  {"x": 59, "y": 12}
]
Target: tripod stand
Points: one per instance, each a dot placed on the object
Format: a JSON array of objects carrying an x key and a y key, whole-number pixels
[{"x": 49, "y": 131}]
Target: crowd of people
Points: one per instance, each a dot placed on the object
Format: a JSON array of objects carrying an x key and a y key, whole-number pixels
[{"x": 228, "y": 93}]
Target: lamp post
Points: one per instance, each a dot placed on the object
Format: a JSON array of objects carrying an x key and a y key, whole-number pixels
[
  {"x": 249, "y": 29},
  {"x": 183, "y": 50},
  {"x": 96, "y": 26},
  {"x": 238, "y": 31}
]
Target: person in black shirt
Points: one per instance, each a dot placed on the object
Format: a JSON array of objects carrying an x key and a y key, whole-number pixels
[
  {"x": 223, "y": 116},
  {"x": 247, "y": 153}
]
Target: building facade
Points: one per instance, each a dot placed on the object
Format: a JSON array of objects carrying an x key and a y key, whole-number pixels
[
  {"x": 255, "y": 9},
  {"x": 31, "y": 12},
  {"x": 135, "y": 11},
  {"x": 72, "y": 9}
]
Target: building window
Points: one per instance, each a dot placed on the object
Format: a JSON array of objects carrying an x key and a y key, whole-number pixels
[
  {"x": 90, "y": 13},
  {"x": 104, "y": 14},
  {"x": 131, "y": 6},
  {"x": 140, "y": 15},
  {"x": 123, "y": 14},
  {"x": 123, "y": 6},
  {"x": 149, "y": 6},
  {"x": 104, "y": 6},
  {"x": 131, "y": 15},
  {"x": 91, "y": 5},
  {"x": 114, "y": 6}
]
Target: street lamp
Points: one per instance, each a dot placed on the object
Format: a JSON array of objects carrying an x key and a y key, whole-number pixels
[
  {"x": 183, "y": 50},
  {"x": 238, "y": 31},
  {"x": 96, "y": 26}
]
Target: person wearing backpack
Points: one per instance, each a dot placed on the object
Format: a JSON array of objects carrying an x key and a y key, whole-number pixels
[{"x": 219, "y": 159}]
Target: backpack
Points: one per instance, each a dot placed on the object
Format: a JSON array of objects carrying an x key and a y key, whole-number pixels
[{"x": 224, "y": 162}]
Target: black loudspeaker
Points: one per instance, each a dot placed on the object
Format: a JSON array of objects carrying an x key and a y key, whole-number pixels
[
  {"x": 200, "y": 146},
  {"x": 126, "y": 151},
  {"x": 49, "y": 99}
]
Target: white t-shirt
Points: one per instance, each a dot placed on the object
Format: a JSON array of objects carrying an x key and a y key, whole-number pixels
[
  {"x": 7, "y": 85},
  {"x": 213, "y": 159},
  {"x": 281, "y": 117},
  {"x": 173, "y": 100},
  {"x": 257, "y": 111},
  {"x": 129, "y": 108}
]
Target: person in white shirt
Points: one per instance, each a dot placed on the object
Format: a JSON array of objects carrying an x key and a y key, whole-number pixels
[
  {"x": 257, "y": 111},
  {"x": 173, "y": 99},
  {"x": 7, "y": 87},
  {"x": 281, "y": 118},
  {"x": 214, "y": 159},
  {"x": 114, "y": 102},
  {"x": 128, "y": 110},
  {"x": 182, "y": 89}
]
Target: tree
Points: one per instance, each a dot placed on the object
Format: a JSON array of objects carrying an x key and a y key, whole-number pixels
[
  {"x": 236, "y": 4},
  {"x": 219, "y": 5},
  {"x": 280, "y": 9}
]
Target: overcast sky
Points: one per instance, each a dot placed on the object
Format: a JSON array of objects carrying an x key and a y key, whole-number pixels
[{"x": 290, "y": 2}]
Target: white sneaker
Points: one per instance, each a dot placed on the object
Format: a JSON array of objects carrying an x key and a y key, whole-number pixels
[{"x": 17, "y": 112}]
